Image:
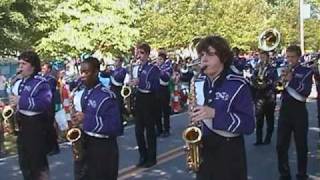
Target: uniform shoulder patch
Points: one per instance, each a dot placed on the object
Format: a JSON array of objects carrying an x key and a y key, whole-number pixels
[
  {"x": 233, "y": 77},
  {"x": 40, "y": 78},
  {"x": 108, "y": 91}
]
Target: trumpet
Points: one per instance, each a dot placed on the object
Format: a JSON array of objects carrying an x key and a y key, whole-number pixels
[{"x": 192, "y": 135}]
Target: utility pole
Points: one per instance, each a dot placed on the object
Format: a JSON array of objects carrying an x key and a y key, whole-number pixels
[{"x": 301, "y": 27}]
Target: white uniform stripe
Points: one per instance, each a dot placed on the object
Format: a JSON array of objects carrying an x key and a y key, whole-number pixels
[
  {"x": 35, "y": 88},
  {"x": 233, "y": 121},
  {"x": 235, "y": 94},
  {"x": 99, "y": 119},
  {"x": 239, "y": 122}
]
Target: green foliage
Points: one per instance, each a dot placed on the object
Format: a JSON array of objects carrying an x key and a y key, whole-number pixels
[
  {"x": 80, "y": 25},
  {"x": 56, "y": 28}
]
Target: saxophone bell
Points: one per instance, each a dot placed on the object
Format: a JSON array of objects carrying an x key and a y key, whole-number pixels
[
  {"x": 73, "y": 135},
  {"x": 125, "y": 91}
]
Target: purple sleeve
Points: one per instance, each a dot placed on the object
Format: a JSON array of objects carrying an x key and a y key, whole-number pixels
[{"x": 110, "y": 114}]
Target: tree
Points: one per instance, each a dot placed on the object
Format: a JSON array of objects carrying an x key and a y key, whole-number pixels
[{"x": 87, "y": 26}]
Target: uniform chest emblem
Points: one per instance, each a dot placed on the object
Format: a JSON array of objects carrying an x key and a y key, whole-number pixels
[
  {"x": 222, "y": 96},
  {"x": 92, "y": 103}
]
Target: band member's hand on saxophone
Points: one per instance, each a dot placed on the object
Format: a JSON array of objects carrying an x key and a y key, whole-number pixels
[{"x": 200, "y": 113}]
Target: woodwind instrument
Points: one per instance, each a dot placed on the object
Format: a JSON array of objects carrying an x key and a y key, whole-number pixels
[{"x": 74, "y": 134}]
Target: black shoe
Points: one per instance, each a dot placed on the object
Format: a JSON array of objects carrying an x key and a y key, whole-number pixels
[
  {"x": 267, "y": 141},
  {"x": 150, "y": 164},
  {"x": 158, "y": 133},
  {"x": 142, "y": 162},
  {"x": 54, "y": 152},
  {"x": 258, "y": 143}
]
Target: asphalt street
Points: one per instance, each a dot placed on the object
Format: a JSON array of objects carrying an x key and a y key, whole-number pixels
[{"x": 262, "y": 160}]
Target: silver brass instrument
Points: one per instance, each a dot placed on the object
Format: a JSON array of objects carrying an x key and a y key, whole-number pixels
[
  {"x": 74, "y": 134},
  {"x": 260, "y": 80},
  {"x": 192, "y": 135},
  {"x": 269, "y": 39}
]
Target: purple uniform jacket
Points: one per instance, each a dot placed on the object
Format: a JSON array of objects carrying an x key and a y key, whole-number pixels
[
  {"x": 234, "y": 108},
  {"x": 117, "y": 76},
  {"x": 300, "y": 85},
  {"x": 149, "y": 76},
  {"x": 35, "y": 94},
  {"x": 52, "y": 82},
  {"x": 101, "y": 112},
  {"x": 165, "y": 72}
]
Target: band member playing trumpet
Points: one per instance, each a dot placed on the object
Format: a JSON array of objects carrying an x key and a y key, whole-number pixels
[
  {"x": 32, "y": 103},
  {"x": 117, "y": 77},
  {"x": 100, "y": 117},
  {"x": 165, "y": 66},
  {"x": 227, "y": 113},
  {"x": 263, "y": 82},
  {"x": 148, "y": 85},
  {"x": 293, "y": 118}
]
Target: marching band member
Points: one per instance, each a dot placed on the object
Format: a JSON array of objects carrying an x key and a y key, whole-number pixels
[
  {"x": 316, "y": 76},
  {"x": 117, "y": 77},
  {"x": 33, "y": 103},
  {"x": 53, "y": 137},
  {"x": 238, "y": 63},
  {"x": 264, "y": 78},
  {"x": 227, "y": 113},
  {"x": 165, "y": 68},
  {"x": 293, "y": 116},
  {"x": 148, "y": 85},
  {"x": 100, "y": 117}
]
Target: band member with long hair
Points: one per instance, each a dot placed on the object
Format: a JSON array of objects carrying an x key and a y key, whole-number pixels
[
  {"x": 100, "y": 117},
  {"x": 226, "y": 115},
  {"x": 293, "y": 117},
  {"x": 148, "y": 85},
  {"x": 33, "y": 102}
]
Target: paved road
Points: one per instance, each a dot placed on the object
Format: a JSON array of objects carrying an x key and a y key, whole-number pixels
[{"x": 262, "y": 164}]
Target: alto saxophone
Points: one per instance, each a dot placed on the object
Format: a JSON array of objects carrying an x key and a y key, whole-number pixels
[
  {"x": 9, "y": 111},
  {"x": 192, "y": 135},
  {"x": 74, "y": 134}
]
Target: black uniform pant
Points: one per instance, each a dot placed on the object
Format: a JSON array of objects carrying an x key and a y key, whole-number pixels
[
  {"x": 32, "y": 145},
  {"x": 163, "y": 110},
  {"x": 145, "y": 122},
  {"x": 264, "y": 111},
  {"x": 293, "y": 120},
  {"x": 117, "y": 91},
  {"x": 222, "y": 158},
  {"x": 101, "y": 158},
  {"x": 52, "y": 133}
]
